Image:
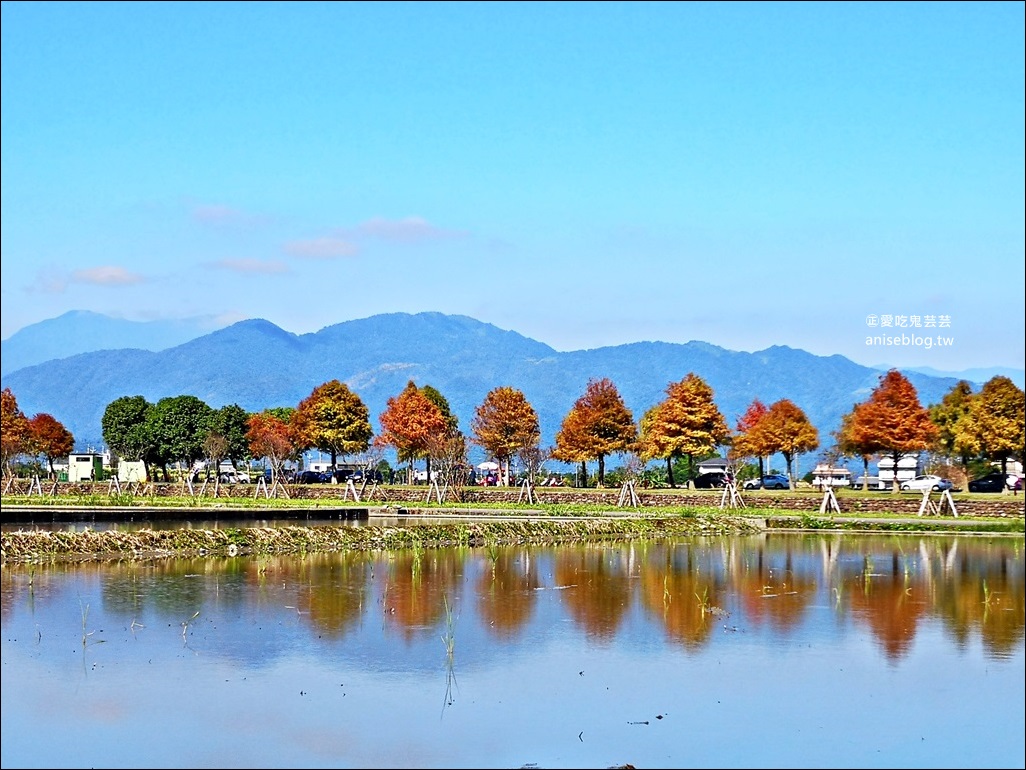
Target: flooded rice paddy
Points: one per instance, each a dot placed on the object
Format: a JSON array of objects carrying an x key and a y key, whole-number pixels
[{"x": 772, "y": 650}]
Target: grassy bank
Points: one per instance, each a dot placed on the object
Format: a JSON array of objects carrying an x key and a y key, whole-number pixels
[
  {"x": 30, "y": 545},
  {"x": 478, "y": 524}
]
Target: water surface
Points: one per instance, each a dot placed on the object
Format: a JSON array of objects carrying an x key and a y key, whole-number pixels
[{"x": 811, "y": 650}]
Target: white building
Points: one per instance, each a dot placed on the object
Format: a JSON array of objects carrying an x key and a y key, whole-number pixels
[
  {"x": 85, "y": 466},
  {"x": 131, "y": 470},
  {"x": 909, "y": 466},
  {"x": 824, "y": 476}
]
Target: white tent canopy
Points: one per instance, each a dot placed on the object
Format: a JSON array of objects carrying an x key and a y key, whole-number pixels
[{"x": 488, "y": 465}]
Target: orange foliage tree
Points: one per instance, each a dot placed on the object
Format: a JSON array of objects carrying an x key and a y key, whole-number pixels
[
  {"x": 684, "y": 424},
  {"x": 47, "y": 436},
  {"x": 14, "y": 430},
  {"x": 893, "y": 420},
  {"x": 854, "y": 439},
  {"x": 447, "y": 451},
  {"x": 749, "y": 439},
  {"x": 271, "y": 435},
  {"x": 572, "y": 444},
  {"x": 412, "y": 424},
  {"x": 599, "y": 424},
  {"x": 504, "y": 424},
  {"x": 788, "y": 431},
  {"x": 334, "y": 420}
]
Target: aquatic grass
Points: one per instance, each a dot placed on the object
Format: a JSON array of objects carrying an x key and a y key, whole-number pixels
[
  {"x": 185, "y": 624},
  {"x": 85, "y": 635},
  {"x": 449, "y": 640},
  {"x": 703, "y": 601}
]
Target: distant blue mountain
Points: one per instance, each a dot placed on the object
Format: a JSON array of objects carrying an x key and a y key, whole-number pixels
[
  {"x": 975, "y": 376},
  {"x": 82, "y": 331},
  {"x": 257, "y": 365}
]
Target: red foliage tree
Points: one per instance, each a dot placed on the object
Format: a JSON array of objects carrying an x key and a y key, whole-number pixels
[
  {"x": 893, "y": 420},
  {"x": 750, "y": 440},
  {"x": 14, "y": 430},
  {"x": 271, "y": 435},
  {"x": 598, "y": 424},
  {"x": 47, "y": 436},
  {"x": 412, "y": 424}
]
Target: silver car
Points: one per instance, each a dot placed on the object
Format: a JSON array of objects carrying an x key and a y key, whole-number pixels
[{"x": 927, "y": 481}]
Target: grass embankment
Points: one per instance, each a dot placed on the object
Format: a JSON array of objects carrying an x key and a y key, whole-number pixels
[
  {"x": 474, "y": 524},
  {"x": 146, "y": 543}
]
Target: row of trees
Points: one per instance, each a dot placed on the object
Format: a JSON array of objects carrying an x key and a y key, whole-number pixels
[
  {"x": 418, "y": 424},
  {"x": 41, "y": 435},
  {"x": 965, "y": 426}
]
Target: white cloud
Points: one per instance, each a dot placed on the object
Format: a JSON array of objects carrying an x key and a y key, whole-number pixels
[
  {"x": 107, "y": 275},
  {"x": 216, "y": 214},
  {"x": 220, "y": 215},
  {"x": 408, "y": 230},
  {"x": 250, "y": 266},
  {"x": 321, "y": 248}
]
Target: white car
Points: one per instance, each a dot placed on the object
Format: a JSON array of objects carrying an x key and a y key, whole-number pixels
[{"x": 928, "y": 481}]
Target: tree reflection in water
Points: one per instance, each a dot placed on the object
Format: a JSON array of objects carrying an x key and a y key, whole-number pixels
[{"x": 552, "y": 641}]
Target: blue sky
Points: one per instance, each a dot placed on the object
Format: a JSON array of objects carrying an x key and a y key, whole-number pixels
[{"x": 805, "y": 174}]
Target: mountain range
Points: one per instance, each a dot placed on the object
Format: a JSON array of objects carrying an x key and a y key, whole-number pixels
[{"x": 257, "y": 365}]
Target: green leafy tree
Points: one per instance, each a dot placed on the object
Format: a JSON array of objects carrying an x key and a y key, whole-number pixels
[
  {"x": 179, "y": 426},
  {"x": 126, "y": 429},
  {"x": 951, "y": 417},
  {"x": 231, "y": 422},
  {"x": 995, "y": 425},
  {"x": 435, "y": 397},
  {"x": 450, "y": 448}
]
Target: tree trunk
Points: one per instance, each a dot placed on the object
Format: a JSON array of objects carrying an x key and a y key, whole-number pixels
[
  {"x": 601, "y": 470},
  {"x": 669, "y": 472}
]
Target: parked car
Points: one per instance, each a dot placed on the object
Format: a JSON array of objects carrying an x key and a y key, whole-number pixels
[
  {"x": 342, "y": 475},
  {"x": 287, "y": 476},
  {"x": 769, "y": 481},
  {"x": 710, "y": 480},
  {"x": 233, "y": 477},
  {"x": 926, "y": 481},
  {"x": 872, "y": 483},
  {"x": 994, "y": 481},
  {"x": 313, "y": 477}
]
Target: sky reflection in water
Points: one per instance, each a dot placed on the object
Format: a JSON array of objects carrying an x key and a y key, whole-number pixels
[{"x": 770, "y": 651}]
